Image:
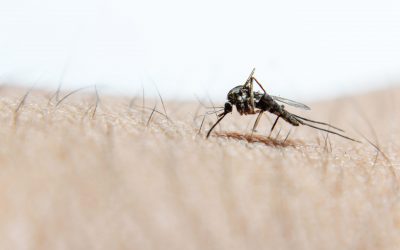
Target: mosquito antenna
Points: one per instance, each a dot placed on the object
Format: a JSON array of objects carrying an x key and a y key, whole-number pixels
[
  {"x": 218, "y": 107},
  {"x": 322, "y": 123},
  {"x": 211, "y": 112},
  {"x": 331, "y": 132},
  {"x": 212, "y": 104},
  {"x": 208, "y": 113},
  {"x": 214, "y": 112},
  {"x": 211, "y": 129}
]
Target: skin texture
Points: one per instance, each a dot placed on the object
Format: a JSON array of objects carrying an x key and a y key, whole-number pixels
[{"x": 80, "y": 176}]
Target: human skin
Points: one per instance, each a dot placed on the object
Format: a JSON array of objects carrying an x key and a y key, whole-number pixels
[{"x": 83, "y": 176}]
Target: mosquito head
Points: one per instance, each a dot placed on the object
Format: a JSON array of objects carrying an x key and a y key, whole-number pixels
[{"x": 228, "y": 108}]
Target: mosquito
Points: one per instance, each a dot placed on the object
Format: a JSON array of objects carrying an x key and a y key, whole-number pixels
[{"x": 250, "y": 102}]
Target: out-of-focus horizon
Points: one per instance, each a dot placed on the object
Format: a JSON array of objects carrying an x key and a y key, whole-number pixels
[{"x": 301, "y": 49}]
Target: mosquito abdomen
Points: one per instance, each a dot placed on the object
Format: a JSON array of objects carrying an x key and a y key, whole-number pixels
[{"x": 290, "y": 118}]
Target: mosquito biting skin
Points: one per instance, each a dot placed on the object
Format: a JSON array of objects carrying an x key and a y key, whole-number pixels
[{"x": 250, "y": 102}]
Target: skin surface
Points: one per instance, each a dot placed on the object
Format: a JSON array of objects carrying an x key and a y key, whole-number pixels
[{"x": 80, "y": 176}]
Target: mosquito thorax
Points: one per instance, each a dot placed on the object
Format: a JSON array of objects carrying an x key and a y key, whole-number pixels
[{"x": 235, "y": 95}]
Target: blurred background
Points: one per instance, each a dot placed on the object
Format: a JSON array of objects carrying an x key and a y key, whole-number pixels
[{"x": 302, "y": 49}]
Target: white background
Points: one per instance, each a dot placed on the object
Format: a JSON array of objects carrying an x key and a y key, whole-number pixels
[{"x": 302, "y": 49}]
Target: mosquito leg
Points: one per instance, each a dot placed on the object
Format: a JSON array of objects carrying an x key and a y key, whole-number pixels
[
  {"x": 257, "y": 121},
  {"x": 219, "y": 120},
  {"x": 276, "y": 121},
  {"x": 259, "y": 84},
  {"x": 249, "y": 78},
  {"x": 252, "y": 96},
  {"x": 331, "y": 132},
  {"x": 322, "y": 123}
]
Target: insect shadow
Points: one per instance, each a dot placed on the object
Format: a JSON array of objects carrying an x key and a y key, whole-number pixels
[{"x": 252, "y": 138}]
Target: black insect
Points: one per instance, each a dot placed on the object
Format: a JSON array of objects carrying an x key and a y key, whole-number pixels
[{"x": 249, "y": 102}]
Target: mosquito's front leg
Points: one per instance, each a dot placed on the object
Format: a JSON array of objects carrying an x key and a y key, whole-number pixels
[{"x": 249, "y": 85}]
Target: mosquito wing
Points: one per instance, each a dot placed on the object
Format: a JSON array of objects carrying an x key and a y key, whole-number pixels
[{"x": 291, "y": 103}]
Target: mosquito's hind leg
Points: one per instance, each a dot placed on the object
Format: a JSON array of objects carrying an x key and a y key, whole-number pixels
[{"x": 331, "y": 132}]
